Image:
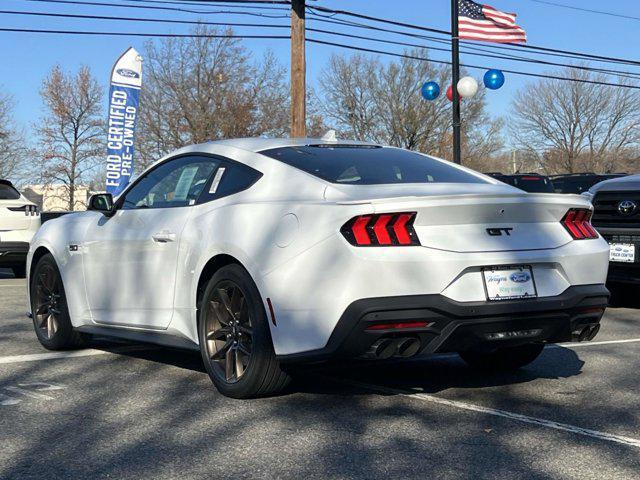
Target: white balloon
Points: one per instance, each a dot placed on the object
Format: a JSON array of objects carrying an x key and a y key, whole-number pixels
[{"x": 467, "y": 87}]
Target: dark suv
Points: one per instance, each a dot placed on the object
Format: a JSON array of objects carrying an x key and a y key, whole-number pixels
[
  {"x": 529, "y": 182},
  {"x": 580, "y": 182},
  {"x": 617, "y": 217}
]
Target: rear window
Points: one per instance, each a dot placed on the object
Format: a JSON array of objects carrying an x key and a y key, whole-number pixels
[
  {"x": 7, "y": 192},
  {"x": 369, "y": 165}
]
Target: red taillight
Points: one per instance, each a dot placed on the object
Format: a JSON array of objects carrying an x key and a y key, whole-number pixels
[
  {"x": 399, "y": 325},
  {"x": 577, "y": 221},
  {"x": 387, "y": 229}
]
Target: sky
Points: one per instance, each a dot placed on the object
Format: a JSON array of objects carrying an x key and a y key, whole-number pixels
[{"x": 25, "y": 58}]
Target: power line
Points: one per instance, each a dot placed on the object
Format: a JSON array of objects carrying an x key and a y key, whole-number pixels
[
  {"x": 141, "y": 34},
  {"x": 377, "y": 19},
  {"x": 225, "y": 3},
  {"x": 444, "y": 32},
  {"x": 469, "y": 45},
  {"x": 316, "y": 30},
  {"x": 535, "y": 49},
  {"x": 625, "y": 74},
  {"x": 137, "y": 19},
  {"x": 152, "y": 7},
  {"x": 478, "y": 67},
  {"x": 587, "y": 10}
]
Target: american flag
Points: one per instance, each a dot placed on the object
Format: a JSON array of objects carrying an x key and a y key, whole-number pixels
[{"x": 482, "y": 22}]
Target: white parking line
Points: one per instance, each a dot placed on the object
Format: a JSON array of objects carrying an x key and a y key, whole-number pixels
[
  {"x": 594, "y": 344},
  {"x": 34, "y": 357},
  {"x": 608, "y": 437}
]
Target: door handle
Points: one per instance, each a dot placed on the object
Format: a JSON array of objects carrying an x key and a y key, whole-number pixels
[{"x": 164, "y": 237}]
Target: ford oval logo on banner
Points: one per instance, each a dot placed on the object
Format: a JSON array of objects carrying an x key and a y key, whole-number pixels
[
  {"x": 125, "y": 72},
  {"x": 520, "y": 277}
]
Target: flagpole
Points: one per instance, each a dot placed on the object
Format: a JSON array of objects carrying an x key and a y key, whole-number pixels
[{"x": 455, "y": 67}]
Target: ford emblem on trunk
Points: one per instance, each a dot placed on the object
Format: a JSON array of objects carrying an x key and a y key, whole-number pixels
[{"x": 627, "y": 207}]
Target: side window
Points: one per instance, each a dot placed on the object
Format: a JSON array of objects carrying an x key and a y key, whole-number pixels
[
  {"x": 230, "y": 178},
  {"x": 175, "y": 183}
]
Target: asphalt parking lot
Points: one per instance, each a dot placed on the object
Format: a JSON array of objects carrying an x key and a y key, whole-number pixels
[{"x": 129, "y": 411}]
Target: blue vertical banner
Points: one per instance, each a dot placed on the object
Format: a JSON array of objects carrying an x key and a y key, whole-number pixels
[{"x": 124, "y": 99}]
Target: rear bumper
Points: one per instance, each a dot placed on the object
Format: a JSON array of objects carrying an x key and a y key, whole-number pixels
[
  {"x": 13, "y": 253},
  {"x": 456, "y": 326}
]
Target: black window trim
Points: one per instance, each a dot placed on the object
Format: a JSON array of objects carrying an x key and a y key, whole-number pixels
[{"x": 224, "y": 161}]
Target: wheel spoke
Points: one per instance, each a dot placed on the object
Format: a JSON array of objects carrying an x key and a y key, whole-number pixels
[
  {"x": 42, "y": 309},
  {"x": 220, "y": 312},
  {"x": 44, "y": 321},
  {"x": 43, "y": 282},
  {"x": 239, "y": 365},
  {"x": 226, "y": 301},
  {"x": 244, "y": 348},
  {"x": 220, "y": 334},
  {"x": 218, "y": 354},
  {"x": 230, "y": 363},
  {"x": 52, "y": 326},
  {"x": 236, "y": 302}
]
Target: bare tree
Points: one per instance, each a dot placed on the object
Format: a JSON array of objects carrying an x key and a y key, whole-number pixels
[
  {"x": 369, "y": 100},
  {"x": 12, "y": 146},
  {"x": 576, "y": 126},
  {"x": 204, "y": 88},
  {"x": 71, "y": 133}
]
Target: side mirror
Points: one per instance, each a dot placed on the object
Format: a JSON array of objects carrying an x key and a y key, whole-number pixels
[{"x": 102, "y": 202}]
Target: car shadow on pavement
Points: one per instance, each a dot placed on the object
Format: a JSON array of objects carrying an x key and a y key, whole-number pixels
[
  {"x": 428, "y": 374},
  {"x": 439, "y": 373}
]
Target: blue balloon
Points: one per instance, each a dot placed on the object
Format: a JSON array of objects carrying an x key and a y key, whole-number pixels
[
  {"x": 430, "y": 90},
  {"x": 493, "y": 79}
]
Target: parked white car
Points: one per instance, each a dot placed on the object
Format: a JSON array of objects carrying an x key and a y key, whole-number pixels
[
  {"x": 261, "y": 253},
  {"x": 19, "y": 221}
]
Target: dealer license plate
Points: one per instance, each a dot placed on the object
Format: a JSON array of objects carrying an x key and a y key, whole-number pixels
[
  {"x": 622, "y": 252},
  {"x": 509, "y": 283}
]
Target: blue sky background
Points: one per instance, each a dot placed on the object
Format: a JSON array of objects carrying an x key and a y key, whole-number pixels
[{"x": 25, "y": 58}]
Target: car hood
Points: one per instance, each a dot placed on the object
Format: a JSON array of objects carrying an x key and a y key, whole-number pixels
[{"x": 630, "y": 182}]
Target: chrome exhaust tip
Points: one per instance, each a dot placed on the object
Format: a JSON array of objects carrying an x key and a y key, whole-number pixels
[{"x": 408, "y": 347}]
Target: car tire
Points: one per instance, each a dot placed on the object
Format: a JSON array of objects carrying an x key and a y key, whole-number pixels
[
  {"x": 50, "y": 312},
  {"x": 235, "y": 340},
  {"x": 505, "y": 359},
  {"x": 19, "y": 271}
]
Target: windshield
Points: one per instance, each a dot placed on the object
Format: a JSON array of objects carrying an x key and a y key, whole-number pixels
[
  {"x": 7, "y": 192},
  {"x": 370, "y": 165}
]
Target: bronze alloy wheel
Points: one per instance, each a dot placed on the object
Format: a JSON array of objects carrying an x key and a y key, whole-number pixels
[
  {"x": 228, "y": 331},
  {"x": 47, "y": 301}
]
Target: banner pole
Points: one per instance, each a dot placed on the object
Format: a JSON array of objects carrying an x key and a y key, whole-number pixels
[{"x": 455, "y": 68}]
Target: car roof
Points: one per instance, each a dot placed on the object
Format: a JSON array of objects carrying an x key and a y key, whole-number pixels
[{"x": 259, "y": 144}]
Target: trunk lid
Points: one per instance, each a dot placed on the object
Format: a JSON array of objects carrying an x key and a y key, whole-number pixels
[{"x": 473, "y": 217}]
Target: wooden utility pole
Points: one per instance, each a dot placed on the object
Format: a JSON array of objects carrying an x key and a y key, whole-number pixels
[
  {"x": 298, "y": 70},
  {"x": 455, "y": 68}
]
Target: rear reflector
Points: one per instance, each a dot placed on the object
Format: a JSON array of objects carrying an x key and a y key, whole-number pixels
[
  {"x": 382, "y": 230},
  {"x": 577, "y": 221},
  {"x": 399, "y": 325}
]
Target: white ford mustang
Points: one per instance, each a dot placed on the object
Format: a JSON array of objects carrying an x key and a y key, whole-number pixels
[{"x": 262, "y": 253}]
